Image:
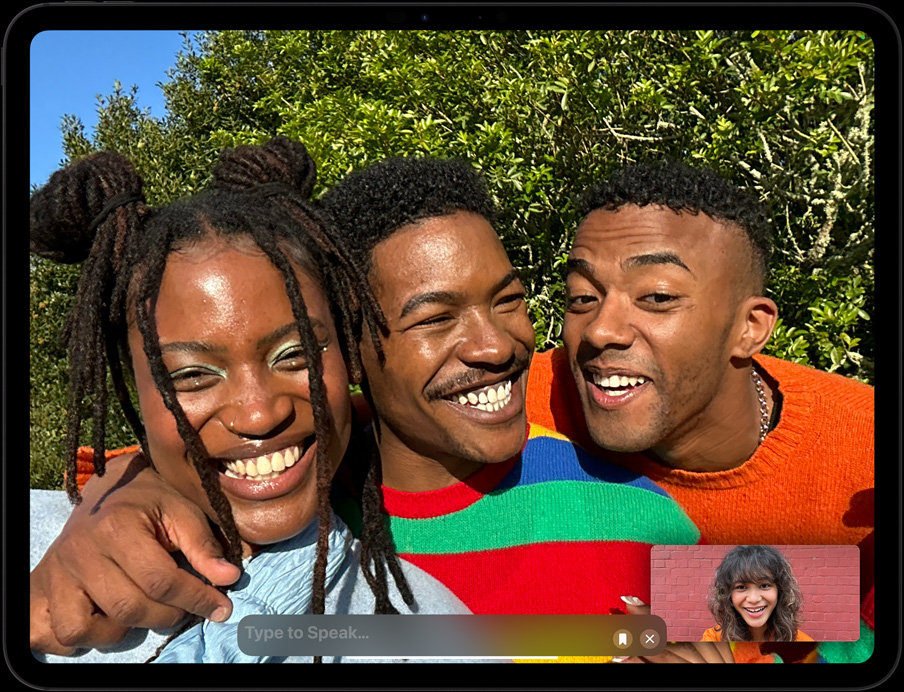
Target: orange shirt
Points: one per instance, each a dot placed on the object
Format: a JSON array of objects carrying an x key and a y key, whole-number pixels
[
  {"x": 810, "y": 482},
  {"x": 714, "y": 635}
]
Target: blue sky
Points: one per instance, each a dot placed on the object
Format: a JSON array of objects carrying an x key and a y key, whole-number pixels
[{"x": 69, "y": 69}]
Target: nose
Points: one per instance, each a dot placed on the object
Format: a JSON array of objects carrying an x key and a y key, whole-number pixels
[
  {"x": 257, "y": 410},
  {"x": 611, "y": 326},
  {"x": 486, "y": 341}
]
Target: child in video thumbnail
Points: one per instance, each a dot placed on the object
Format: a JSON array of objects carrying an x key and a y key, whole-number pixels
[{"x": 755, "y": 597}]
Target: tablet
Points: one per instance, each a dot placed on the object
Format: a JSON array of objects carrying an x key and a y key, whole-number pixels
[{"x": 798, "y": 104}]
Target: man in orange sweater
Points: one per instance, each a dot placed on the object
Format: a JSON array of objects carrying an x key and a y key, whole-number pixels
[{"x": 665, "y": 318}]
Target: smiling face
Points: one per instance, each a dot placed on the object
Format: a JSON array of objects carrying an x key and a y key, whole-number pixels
[
  {"x": 230, "y": 345},
  {"x": 450, "y": 394},
  {"x": 755, "y": 601},
  {"x": 655, "y": 312}
]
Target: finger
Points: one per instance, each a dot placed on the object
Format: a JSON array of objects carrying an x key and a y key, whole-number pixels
[
  {"x": 724, "y": 649},
  {"x": 75, "y": 621},
  {"x": 168, "y": 591},
  {"x": 634, "y": 606},
  {"x": 126, "y": 603},
  {"x": 627, "y": 659},
  {"x": 41, "y": 636},
  {"x": 712, "y": 653},
  {"x": 184, "y": 527}
]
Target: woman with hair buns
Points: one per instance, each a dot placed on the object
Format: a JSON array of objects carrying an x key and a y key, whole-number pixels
[{"x": 224, "y": 307}]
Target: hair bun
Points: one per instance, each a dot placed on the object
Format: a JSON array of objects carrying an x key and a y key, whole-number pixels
[
  {"x": 61, "y": 213},
  {"x": 281, "y": 160}
]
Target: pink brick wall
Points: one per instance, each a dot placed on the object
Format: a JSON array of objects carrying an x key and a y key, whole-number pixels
[{"x": 829, "y": 577}]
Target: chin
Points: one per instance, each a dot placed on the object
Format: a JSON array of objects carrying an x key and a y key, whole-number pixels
[{"x": 261, "y": 531}]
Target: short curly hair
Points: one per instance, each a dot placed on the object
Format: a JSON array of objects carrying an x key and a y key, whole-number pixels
[
  {"x": 371, "y": 204},
  {"x": 684, "y": 188}
]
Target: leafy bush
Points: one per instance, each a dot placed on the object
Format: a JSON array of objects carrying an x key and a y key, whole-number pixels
[{"x": 543, "y": 115}]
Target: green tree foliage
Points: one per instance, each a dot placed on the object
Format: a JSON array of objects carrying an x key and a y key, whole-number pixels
[{"x": 542, "y": 115}]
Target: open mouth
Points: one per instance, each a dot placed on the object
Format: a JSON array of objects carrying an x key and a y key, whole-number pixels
[
  {"x": 755, "y": 611},
  {"x": 618, "y": 385},
  {"x": 265, "y": 467},
  {"x": 492, "y": 397}
]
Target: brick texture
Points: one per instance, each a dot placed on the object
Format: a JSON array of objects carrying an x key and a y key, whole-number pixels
[{"x": 829, "y": 578}]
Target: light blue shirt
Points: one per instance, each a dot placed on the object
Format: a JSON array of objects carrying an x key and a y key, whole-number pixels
[{"x": 278, "y": 580}]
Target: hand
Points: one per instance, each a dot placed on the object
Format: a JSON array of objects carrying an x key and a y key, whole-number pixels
[
  {"x": 677, "y": 652},
  {"x": 110, "y": 568}
]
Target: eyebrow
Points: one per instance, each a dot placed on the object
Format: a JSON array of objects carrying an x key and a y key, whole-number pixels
[
  {"x": 654, "y": 258},
  {"x": 584, "y": 267},
  {"x": 205, "y": 347},
  {"x": 448, "y": 297}
]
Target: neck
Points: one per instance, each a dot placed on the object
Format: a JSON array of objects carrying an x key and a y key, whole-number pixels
[
  {"x": 722, "y": 436},
  {"x": 758, "y": 634},
  {"x": 411, "y": 471}
]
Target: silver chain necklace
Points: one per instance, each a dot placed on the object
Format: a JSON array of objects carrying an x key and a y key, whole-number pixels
[{"x": 764, "y": 408}]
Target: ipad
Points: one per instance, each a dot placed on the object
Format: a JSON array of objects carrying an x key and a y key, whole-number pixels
[{"x": 797, "y": 104}]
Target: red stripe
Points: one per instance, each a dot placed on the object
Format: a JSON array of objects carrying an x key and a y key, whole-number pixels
[
  {"x": 573, "y": 577},
  {"x": 426, "y": 504}
]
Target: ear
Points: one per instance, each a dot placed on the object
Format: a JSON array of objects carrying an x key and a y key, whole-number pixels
[{"x": 756, "y": 320}]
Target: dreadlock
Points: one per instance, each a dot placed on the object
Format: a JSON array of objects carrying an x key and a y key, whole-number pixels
[
  {"x": 93, "y": 212},
  {"x": 367, "y": 207}
]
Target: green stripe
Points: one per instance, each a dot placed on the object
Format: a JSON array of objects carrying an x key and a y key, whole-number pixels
[{"x": 549, "y": 512}]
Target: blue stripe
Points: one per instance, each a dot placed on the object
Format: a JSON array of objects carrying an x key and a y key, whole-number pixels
[{"x": 548, "y": 459}]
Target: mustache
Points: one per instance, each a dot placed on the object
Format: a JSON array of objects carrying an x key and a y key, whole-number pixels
[{"x": 474, "y": 376}]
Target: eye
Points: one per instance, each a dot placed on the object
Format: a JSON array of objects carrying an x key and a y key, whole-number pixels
[
  {"x": 658, "y": 300},
  {"x": 580, "y": 303},
  {"x": 292, "y": 359},
  {"x": 434, "y": 321},
  {"x": 740, "y": 587},
  {"x": 194, "y": 379},
  {"x": 511, "y": 301}
]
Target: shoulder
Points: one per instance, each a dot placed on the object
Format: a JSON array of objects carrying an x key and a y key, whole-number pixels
[
  {"x": 551, "y": 456},
  {"x": 352, "y": 595},
  {"x": 712, "y": 635},
  {"x": 803, "y": 637},
  {"x": 794, "y": 376}
]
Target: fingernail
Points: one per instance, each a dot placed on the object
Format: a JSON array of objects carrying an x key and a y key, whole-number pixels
[
  {"x": 219, "y": 615},
  {"x": 619, "y": 659},
  {"x": 627, "y": 599}
]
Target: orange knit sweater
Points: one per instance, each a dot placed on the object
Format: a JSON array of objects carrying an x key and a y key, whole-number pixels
[{"x": 810, "y": 482}]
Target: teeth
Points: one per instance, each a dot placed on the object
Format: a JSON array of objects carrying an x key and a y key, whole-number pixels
[
  {"x": 488, "y": 399},
  {"x": 621, "y": 381},
  {"x": 263, "y": 467}
]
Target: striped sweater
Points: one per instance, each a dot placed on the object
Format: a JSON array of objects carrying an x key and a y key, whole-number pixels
[{"x": 554, "y": 530}]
